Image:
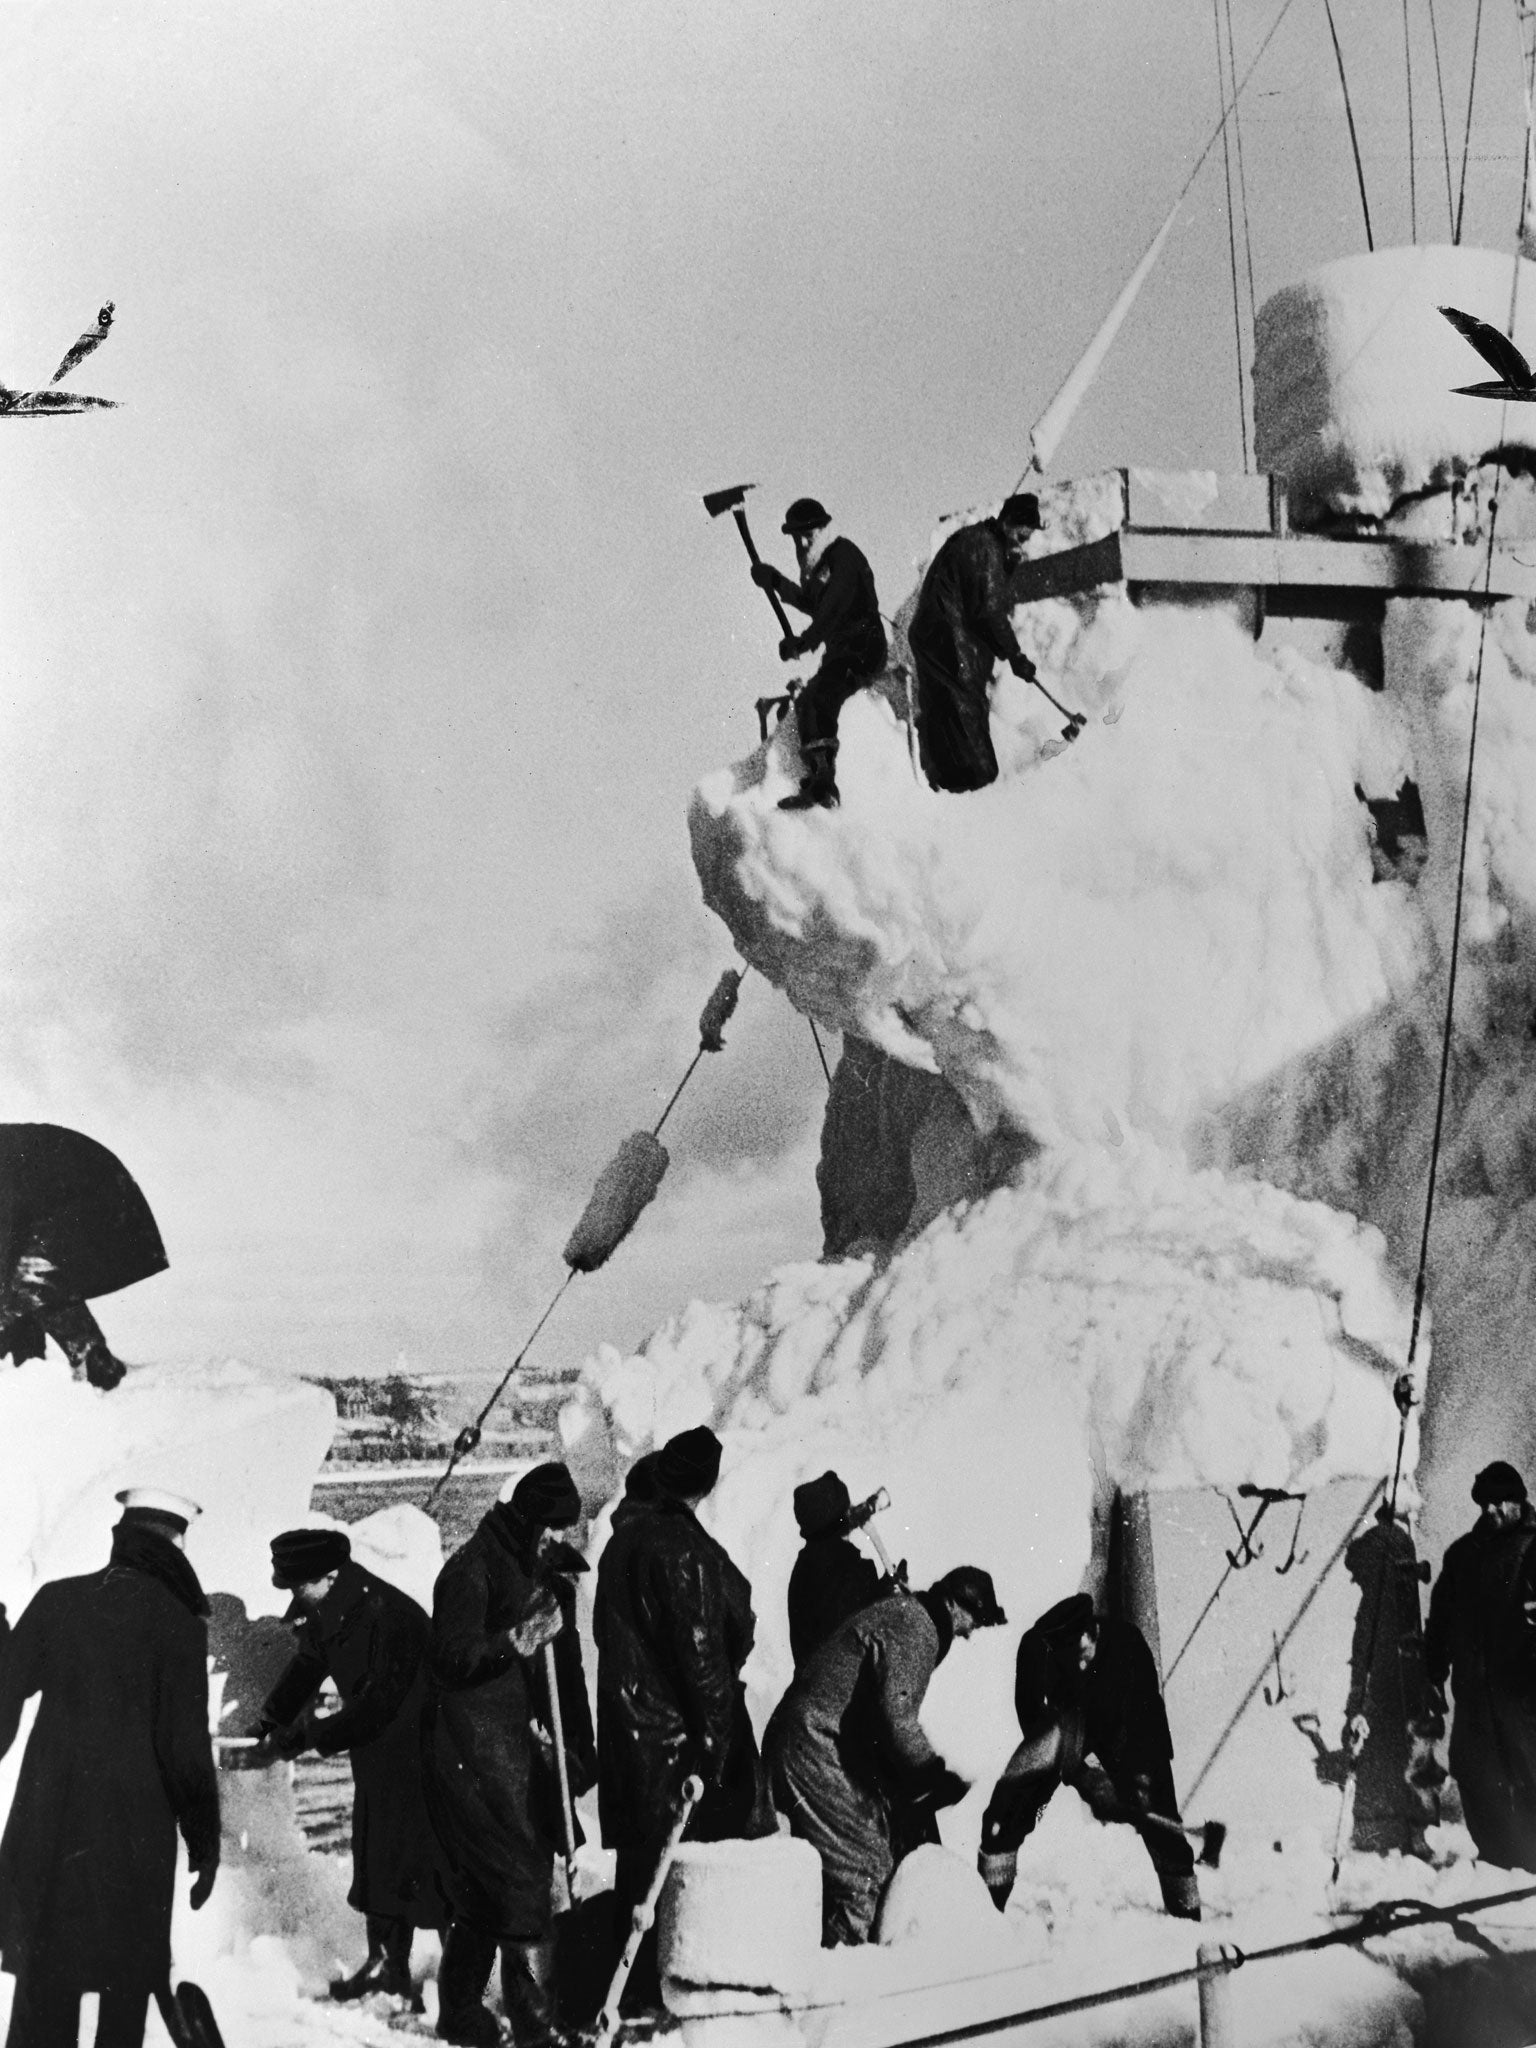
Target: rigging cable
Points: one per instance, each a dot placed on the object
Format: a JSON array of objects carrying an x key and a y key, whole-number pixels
[
  {"x": 1413, "y": 187},
  {"x": 1242, "y": 174},
  {"x": 1226, "y": 158},
  {"x": 1349, "y": 115},
  {"x": 1445, "y": 139},
  {"x": 1466, "y": 144}
]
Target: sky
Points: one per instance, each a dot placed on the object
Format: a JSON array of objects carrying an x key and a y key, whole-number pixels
[{"x": 355, "y": 674}]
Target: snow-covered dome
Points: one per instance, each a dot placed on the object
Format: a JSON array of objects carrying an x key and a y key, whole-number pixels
[{"x": 1355, "y": 375}]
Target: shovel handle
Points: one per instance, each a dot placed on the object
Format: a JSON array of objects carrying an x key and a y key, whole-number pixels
[
  {"x": 557, "y": 1729},
  {"x": 751, "y": 547},
  {"x": 644, "y": 1915}
]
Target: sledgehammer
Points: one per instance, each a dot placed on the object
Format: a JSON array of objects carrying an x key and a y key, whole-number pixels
[{"x": 734, "y": 501}]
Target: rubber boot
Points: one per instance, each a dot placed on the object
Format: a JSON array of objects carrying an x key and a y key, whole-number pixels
[
  {"x": 528, "y": 1995},
  {"x": 462, "y": 2017},
  {"x": 819, "y": 789},
  {"x": 397, "y": 1958},
  {"x": 78, "y": 1335},
  {"x": 371, "y": 1976},
  {"x": 1181, "y": 1894}
]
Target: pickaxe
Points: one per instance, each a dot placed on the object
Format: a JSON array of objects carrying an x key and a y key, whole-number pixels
[
  {"x": 1210, "y": 1834},
  {"x": 734, "y": 501}
]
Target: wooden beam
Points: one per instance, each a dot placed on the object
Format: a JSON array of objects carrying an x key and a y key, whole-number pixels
[{"x": 1393, "y": 568}]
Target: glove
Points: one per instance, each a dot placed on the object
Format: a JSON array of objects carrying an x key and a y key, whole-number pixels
[
  {"x": 1095, "y": 1788},
  {"x": 540, "y": 1625},
  {"x": 1023, "y": 666},
  {"x": 289, "y": 1742},
  {"x": 203, "y": 1875},
  {"x": 765, "y": 576},
  {"x": 1139, "y": 1792},
  {"x": 1356, "y": 1731},
  {"x": 790, "y": 648},
  {"x": 936, "y": 1786}
]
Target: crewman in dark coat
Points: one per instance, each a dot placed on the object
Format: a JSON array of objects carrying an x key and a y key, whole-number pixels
[
  {"x": 373, "y": 1642},
  {"x": 492, "y": 1776},
  {"x": 1087, "y": 1687},
  {"x": 1481, "y": 1635},
  {"x": 959, "y": 631},
  {"x": 673, "y": 1623},
  {"x": 1389, "y": 1692},
  {"x": 73, "y": 1226},
  {"x": 845, "y": 1741},
  {"x": 118, "y": 1759},
  {"x": 831, "y": 1578},
  {"x": 837, "y": 588}
]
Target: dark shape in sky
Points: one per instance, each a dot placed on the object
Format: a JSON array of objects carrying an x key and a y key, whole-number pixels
[
  {"x": 1499, "y": 352},
  {"x": 25, "y": 404}
]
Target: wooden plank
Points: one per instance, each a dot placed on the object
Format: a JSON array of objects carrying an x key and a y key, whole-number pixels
[{"x": 1399, "y": 568}]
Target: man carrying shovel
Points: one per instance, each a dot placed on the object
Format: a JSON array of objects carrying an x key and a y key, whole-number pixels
[{"x": 1087, "y": 1688}]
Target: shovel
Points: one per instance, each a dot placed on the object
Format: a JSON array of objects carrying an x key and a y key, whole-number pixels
[
  {"x": 734, "y": 502},
  {"x": 645, "y": 1914}
]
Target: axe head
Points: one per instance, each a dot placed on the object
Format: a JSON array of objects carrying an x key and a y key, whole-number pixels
[
  {"x": 1213, "y": 1838},
  {"x": 716, "y": 502}
]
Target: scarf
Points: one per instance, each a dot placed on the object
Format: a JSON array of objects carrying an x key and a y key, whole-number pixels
[{"x": 156, "y": 1557}]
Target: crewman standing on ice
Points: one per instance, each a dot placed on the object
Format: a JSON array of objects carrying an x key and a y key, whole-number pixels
[
  {"x": 831, "y": 1578},
  {"x": 837, "y": 588},
  {"x": 845, "y": 1744},
  {"x": 1481, "y": 1635},
  {"x": 492, "y": 1776},
  {"x": 1086, "y": 1687},
  {"x": 673, "y": 1623},
  {"x": 373, "y": 1642},
  {"x": 959, "y": 631},
  {"x": 119, "y": 1758}
]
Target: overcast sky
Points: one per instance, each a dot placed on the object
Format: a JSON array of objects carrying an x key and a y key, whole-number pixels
[{"x": 356, "y": 672}]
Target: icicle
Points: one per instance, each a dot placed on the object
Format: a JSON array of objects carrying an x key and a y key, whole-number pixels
[
  {"x": 626, "y": 1184},
  {"x": 718, "y": 1011}
]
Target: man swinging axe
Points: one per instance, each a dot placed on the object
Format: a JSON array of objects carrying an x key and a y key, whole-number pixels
[{"x": 837, "y": 589}]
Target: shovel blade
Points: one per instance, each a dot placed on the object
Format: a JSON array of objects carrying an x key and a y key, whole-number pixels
[{"x": 1213, "y": 1838}]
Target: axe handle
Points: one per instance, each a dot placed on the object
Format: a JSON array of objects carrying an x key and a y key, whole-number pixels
[{"x": 751, "y": 548}]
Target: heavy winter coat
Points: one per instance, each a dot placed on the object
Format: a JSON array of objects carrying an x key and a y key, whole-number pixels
[
  {"x": 845, "y": 1748},
  {"x": 1114, "y": 1712},
  {"x": 1389, "y": 1687},
  {"x": 959, "y": 631},
  {"x": 492, "y": 1780},
  {"x": 118, "y": 1758},
  {"x": 73, "y": 1211},
  {"x": 1480, "y": 1636},
  {"x": 1118, "y": 1698},
  {"x": 373, "y": 1642},
  {"x": 831, "y": 1579},
  {"x": 839, "y": 593},
  {"x": 673, "y": 1623}
]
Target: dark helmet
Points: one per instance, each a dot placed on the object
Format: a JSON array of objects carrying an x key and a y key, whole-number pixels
[
  {"x": 820, "y": 1504},
  {"x": 1022, "y": 509},
  {"x": 805, "y": 515},
  {"x": 1498, "y": 1481},
  {"x": 1070, "y": 1617},
  {"x": 971, "y": 1588}
]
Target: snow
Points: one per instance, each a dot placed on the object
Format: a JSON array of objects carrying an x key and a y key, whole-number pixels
[{"x": 1355, "y": 375}]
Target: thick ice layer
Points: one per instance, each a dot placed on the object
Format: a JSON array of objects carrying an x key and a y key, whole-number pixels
[
  {"x": 1119, "y": 937},
  {"x": 1112, "y": 1319},
  {"x": 1355, "y": 375},
  {"x": 244, "y": 1443}
]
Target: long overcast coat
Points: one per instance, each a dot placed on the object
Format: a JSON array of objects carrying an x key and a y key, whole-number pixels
[
  {"x": 119, "y": 1757},
  {"x": 831, "y": 1579},
  {"x": 843, "y": 1742},
  {"x": 1479, "y": 1636},
  {"x": 492, "y": 1784},
  {"x": 373, "y": 1642},
  {"x": 959, "y": 631},
  {"x": 674, "y": 1624}
]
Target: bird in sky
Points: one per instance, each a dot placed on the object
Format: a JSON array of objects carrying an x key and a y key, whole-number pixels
[
  {"x": 33, "y": 404},
  {"x": 1497, "y": 350}
]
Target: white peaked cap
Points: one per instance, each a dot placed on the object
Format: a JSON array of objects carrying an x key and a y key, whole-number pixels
[{"x": 158, "y": 1498}]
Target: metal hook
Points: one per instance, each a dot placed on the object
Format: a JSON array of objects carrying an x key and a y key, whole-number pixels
[
  {"x": 1281, "y": 1691},
  {"x": 1293, "y": 1559},
  {"x": 1245, "y": 1554}
]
